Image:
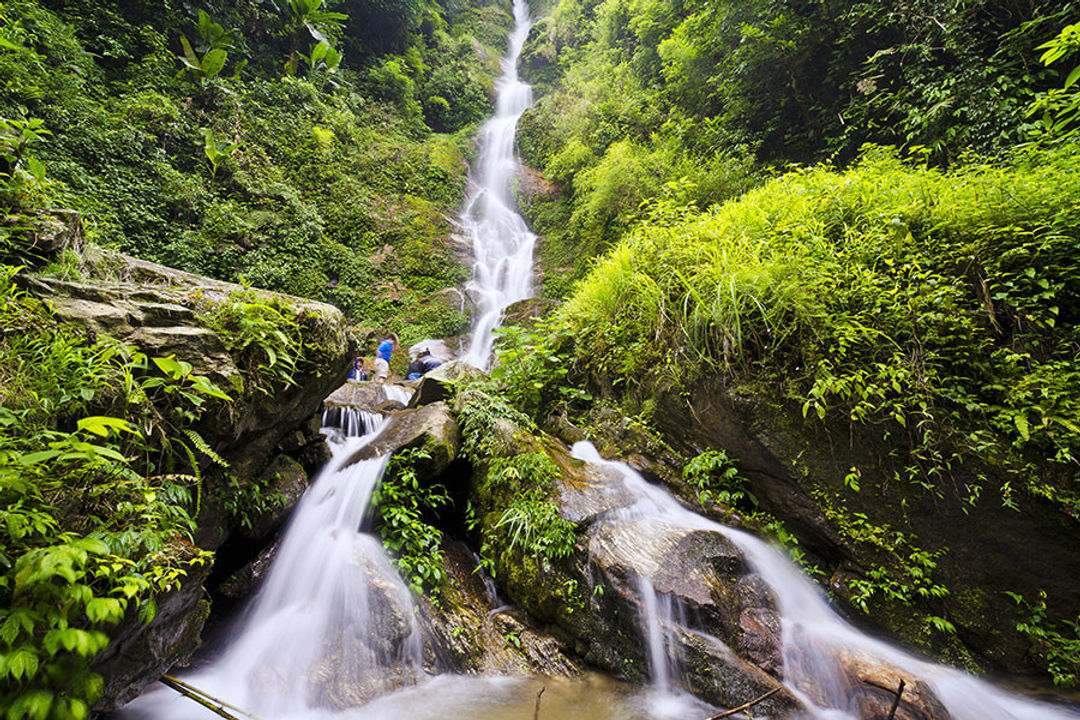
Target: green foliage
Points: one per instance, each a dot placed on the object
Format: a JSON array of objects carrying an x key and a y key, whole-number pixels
[
  {"x": 215, "y": 150},
  {"x": 529, "y": 523},
  {"x": 96, "y": 480},
  {"x": 309, "y": 185},
  {"x": 716, "y": 478},
  {"x": 1057, "y": 644},
  {"x": 530, "y": 374},
  {"x": 1059, "y": 108},
  {"x": 262, "y": 333},
  {"x": 214, "y": 44},
  {"x": 638, "y": 93},
  {"x": 533, "y": 526},
  {"x": 931, "y": 306},
  {"x": 404, "y": 507},
  {"x": 22, "y": 176}
]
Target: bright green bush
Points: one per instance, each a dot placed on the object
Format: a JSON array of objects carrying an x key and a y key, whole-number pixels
[
  {"x": 940, "y": 302},
  {"x": 99, "y": 481}
]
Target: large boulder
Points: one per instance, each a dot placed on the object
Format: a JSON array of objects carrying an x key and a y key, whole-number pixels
[
  {"x": 139, "y": 653},
  {"x": 442, "y": 383},
  {"x": 432, "y": 429},
  {"x": 623, "y": 563}
]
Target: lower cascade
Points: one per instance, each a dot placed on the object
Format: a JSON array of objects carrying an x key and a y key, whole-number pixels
[
  {"x": 333, "y": 624},
  {"x": 816, "y": 642},
  {"x": 334, "y": 631}
]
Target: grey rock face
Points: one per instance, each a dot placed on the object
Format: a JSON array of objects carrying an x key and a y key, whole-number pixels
[{"x": 138, "y": 654}]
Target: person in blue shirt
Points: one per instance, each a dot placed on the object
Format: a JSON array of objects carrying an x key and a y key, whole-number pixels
[{"x": 383, "y": 355}]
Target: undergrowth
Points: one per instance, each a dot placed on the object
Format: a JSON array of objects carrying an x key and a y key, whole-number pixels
[{"x": 100, "y": 477}]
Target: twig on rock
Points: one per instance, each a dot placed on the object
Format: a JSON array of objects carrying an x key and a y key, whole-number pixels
[
  {"x": 745, "y": 706},
  {"x": 205, "y": 699}
]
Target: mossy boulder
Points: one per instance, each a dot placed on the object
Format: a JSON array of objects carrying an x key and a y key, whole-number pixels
[
  {"x": 431, "y": 429},
  {"x": 592, "y": 599}
]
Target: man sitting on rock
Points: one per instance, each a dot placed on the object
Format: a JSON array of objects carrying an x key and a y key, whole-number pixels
[{"x": 424, "y": 363}]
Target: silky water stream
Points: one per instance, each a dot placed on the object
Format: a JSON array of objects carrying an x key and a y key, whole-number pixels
[
  {"x": 502, "y": 243},
  {"x": 813, "y": 635},
  {"x": 334, "y": 625}
]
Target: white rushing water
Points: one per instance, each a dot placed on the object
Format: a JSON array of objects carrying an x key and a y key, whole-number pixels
[
  {"x": 502, "y": 243},
  {"x": 814, "y": 636},
  {"x": 332, "y": 617}
]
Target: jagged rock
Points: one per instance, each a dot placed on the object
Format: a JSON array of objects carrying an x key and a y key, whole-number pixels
[
  {"x": 431, "y": 428},
  {"x": 53, "y": 232},
  {"x": 532, "y": 185},
  {"x": 160, "y": 311},
  {"x": 875, "y": 683},
  {"x": 440, "y": 383},
  {"x": 361, "y": 394},
  {"x": 989, "y": 548},
  {"x": 139, "y": 653},
  {"x": 468, "y": 633},
  {"x": 243, "y": 583},
  {"x": 455, "y": 298}
]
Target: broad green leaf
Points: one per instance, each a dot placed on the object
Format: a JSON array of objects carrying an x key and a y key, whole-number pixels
[
  {"x": 1022, "y": 425},
  {"x": 190, "y": 58},
  {"x": 37, "y": 457},
  {"x": 101, "y": 425},
  {"x": 214, "y": 61}
]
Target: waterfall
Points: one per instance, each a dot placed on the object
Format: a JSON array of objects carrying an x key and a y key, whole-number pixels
[
  {"x": 351, "y": 421},
  {"x": 813, "y": 635},
  {"x": 332, "y": 625},
  {"x": 502, "y": 243}
]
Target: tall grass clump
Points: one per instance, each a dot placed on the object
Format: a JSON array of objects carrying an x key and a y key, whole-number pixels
[{"x": 942, "y": 304}]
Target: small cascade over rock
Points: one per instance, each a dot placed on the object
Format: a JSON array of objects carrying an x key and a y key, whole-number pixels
[
  {"x": 351, "y": 421},
  {"x": 835, "y": 671},
  {"x": 502, "y": 242},
  {"x": 333, "y": 625}
]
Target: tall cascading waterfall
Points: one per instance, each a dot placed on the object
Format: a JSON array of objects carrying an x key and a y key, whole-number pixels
[
  {"x": 502, "y": 243},
  {"x": 332, "y": 625},
  {"x": 813, "y": 635}
]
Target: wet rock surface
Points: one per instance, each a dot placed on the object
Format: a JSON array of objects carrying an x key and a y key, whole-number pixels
[
  {"x": 441, "y": 383},
  {"x": 140, "y": 653},
  {"x": 432, "y": 429}
]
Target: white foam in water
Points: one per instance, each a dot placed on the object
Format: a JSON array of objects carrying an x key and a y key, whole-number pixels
[
  {"x": 502, "y": 243},
  {"x": 813, "y": 635}
]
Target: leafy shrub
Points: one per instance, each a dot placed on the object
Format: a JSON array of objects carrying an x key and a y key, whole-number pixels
[
  {"x": 404, "y": 507},
  {"x": 95, "y": 509}
]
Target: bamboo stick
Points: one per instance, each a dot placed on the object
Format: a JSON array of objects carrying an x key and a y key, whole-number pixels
[
  {"x": 205, "y": 699},
  {"x": 745, "y": 706}
]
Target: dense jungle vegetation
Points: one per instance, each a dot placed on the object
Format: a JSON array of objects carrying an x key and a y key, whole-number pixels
[
  {"x": 858, "y": 213},
  {"x": 634, "y": 94},
  {"x": 862, "y": 216},
  {"x": 295, "y": 146}
]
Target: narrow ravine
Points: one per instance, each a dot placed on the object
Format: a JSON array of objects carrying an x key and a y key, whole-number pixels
[{"x": 502, "y": 243}]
